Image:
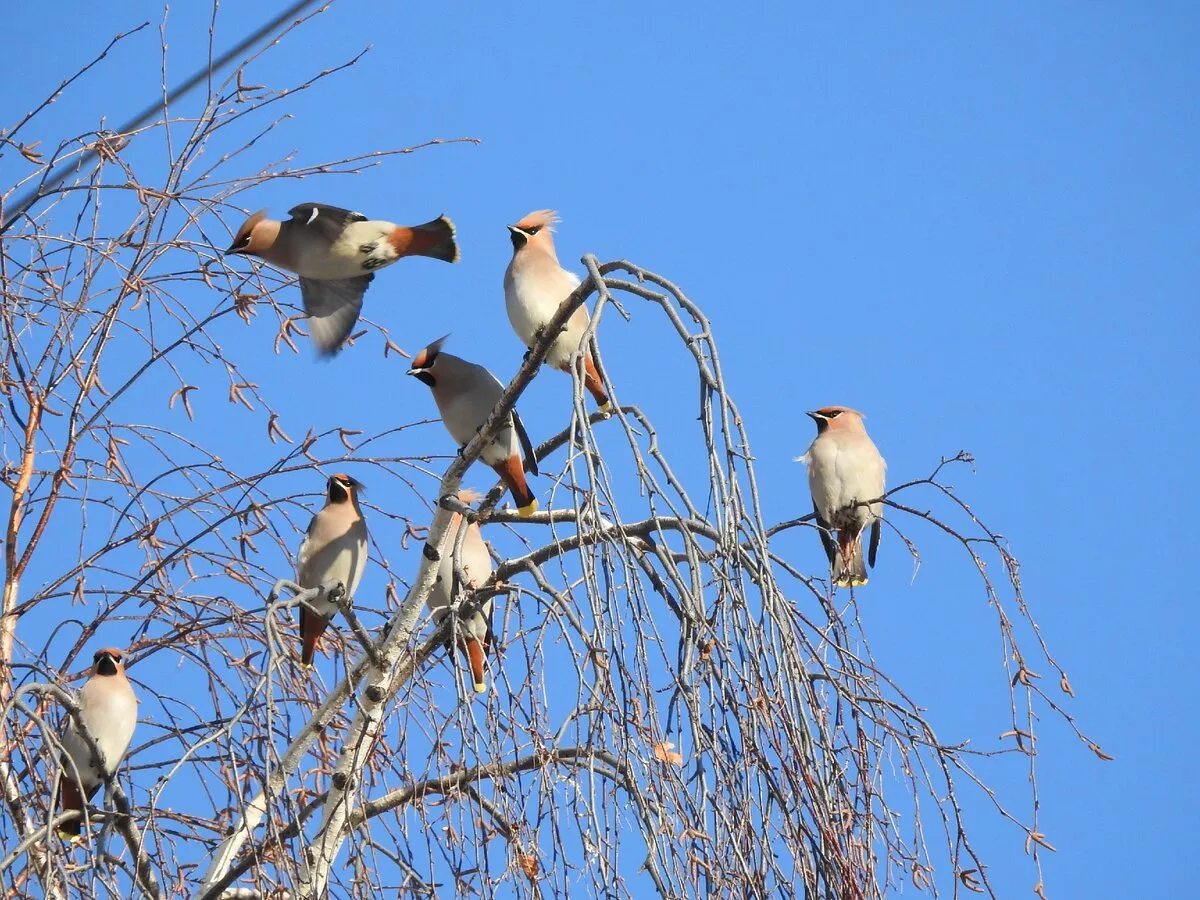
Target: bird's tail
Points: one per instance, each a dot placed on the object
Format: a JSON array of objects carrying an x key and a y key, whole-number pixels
[
  {"x": 473, "y": 648},
  {"x": 513, "y": 475},
  {"x": 312, "y": 626},
  {"x": 433, "y": 239},
  {"x": 69, "y": 798},
  {"x": 849, "y": 567},
  {"x": 591, "y": 381}
]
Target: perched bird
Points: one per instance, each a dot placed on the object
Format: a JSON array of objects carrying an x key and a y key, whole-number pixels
[
  {"x": 465, "y": 395},
  {"x": 334, "y": 549},
  {"x": 335, "y": 252},
  {"x": 475, "y": 620},
  {"x": 108, "y": 709},
  {"x": 845, "y": 471},
  {"x": 535, "y": 286}
]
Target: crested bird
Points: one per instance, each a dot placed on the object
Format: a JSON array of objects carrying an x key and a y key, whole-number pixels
[
  {"x": 466, "y": 394},
  {"x": 336, "y": 252},
  {"x": 334, "y": 549},
  {"x": 846, "y": 477},
  {"x": 108, "y": 709},
  {"x": 474, "y": 626},
  {"x": 535, "y": 286}
]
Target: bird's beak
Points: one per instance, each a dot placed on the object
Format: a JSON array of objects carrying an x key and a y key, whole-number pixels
[
  {"x": 814, "y": 415},
  {"x": 423, "y": 375},
  {"x": 232, "y": 251}
]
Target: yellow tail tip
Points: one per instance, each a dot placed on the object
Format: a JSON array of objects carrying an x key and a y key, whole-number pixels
[
  {"x": 480, "y": 688},
  {"x": 529, "y": 510},
  {"x": 606, "y": 408},
  {"x": 68, "y": 836},
  {"x": 851, "y": 582}
]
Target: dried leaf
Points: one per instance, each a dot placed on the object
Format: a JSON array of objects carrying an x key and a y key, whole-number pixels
[
  {"x": 1025, "y": 676},
  {"x": 273, "y": 429},
  {"x": 970, "y": 880},
  {"x": 920, "y": 877},
  {"x": 243, "y": 304},
  {"x": 286, "y": 327},
  {"x": 389, "y": 347},
  {"x": 306, "y": 444},
  {"x": 182, "y": 394},
  {"x": 29, "y": 151},
  {"x": 1095, "y": 748},
  {"x": 664, "y": 751},
  {"x": 529, "y": 865},
  {"x": 1036, "y": 837},
  {"x": 1065, "y": 685},
  {"x": 236, "y": 396}
]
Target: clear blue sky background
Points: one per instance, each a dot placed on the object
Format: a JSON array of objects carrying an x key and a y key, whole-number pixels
[{"x": 979, "y": 223}]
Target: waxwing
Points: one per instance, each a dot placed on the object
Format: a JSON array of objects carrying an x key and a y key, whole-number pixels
[
  {"x": 336, "y": 252},
  {"x": 474, "y": 626},
  {"x": 466, "y": 394},
  {"x": 535, "y": 286},
  {"x": 845, "y": 472},
  {"x": 334, "y": 550},
  {"x": 108, "y": 708}
]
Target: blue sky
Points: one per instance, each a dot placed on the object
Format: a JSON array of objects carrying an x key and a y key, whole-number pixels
[{"x": 977, "y": 223}]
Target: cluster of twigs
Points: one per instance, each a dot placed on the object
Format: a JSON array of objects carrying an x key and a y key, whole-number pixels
[{"x": 675, "y": 705}]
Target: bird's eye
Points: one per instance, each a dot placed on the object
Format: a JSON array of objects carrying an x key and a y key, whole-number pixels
[
  {"x": 833, "y": 413},
  {"x": 534, "y": 230}
]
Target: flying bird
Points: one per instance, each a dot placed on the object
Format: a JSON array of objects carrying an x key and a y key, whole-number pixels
[
  {"x": 535, "y": 286},
  {"x": 336, "y": 252},
  {"x": 845, "y": 471},
  {"x": 466, "y": 394},
  {"x": 334, "y": 549},
  {"x": 474, "y": 625},
  {"x": 108, "y": 709}
]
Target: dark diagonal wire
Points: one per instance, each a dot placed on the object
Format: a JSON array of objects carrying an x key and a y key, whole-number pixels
[{"x": 153, "y": 109}]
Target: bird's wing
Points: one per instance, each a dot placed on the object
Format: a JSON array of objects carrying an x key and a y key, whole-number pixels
[
  {"x": 826, "y": 534},
  {"x": 526, "y": 444},
  {"x": 321, "y": 219},
  {"x": 333, "y": 308},
  {"x": 876, "y": 527}
]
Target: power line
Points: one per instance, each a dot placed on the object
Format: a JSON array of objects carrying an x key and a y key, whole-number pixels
[{"x": 153, "y": 109}]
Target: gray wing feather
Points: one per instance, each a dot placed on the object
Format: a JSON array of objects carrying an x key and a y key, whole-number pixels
[
  {"x": 526, "y": 444},
  {"x": 333, "y": 308}
]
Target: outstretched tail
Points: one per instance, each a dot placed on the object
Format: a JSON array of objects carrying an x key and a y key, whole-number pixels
[
  {"x": 312, "y": 626},
  {"x": 513, "y": 476},
  {"x": 433, "y": 239},
  {"x": 69, "y": 798},
  {"x": 849, "y": 567}
]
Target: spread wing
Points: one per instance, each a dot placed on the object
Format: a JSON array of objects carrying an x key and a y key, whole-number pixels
[
  {"x": 526, "y": 444},
  {"x": 326, "y": 221},
  {"x": 333, "y": 308}
]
